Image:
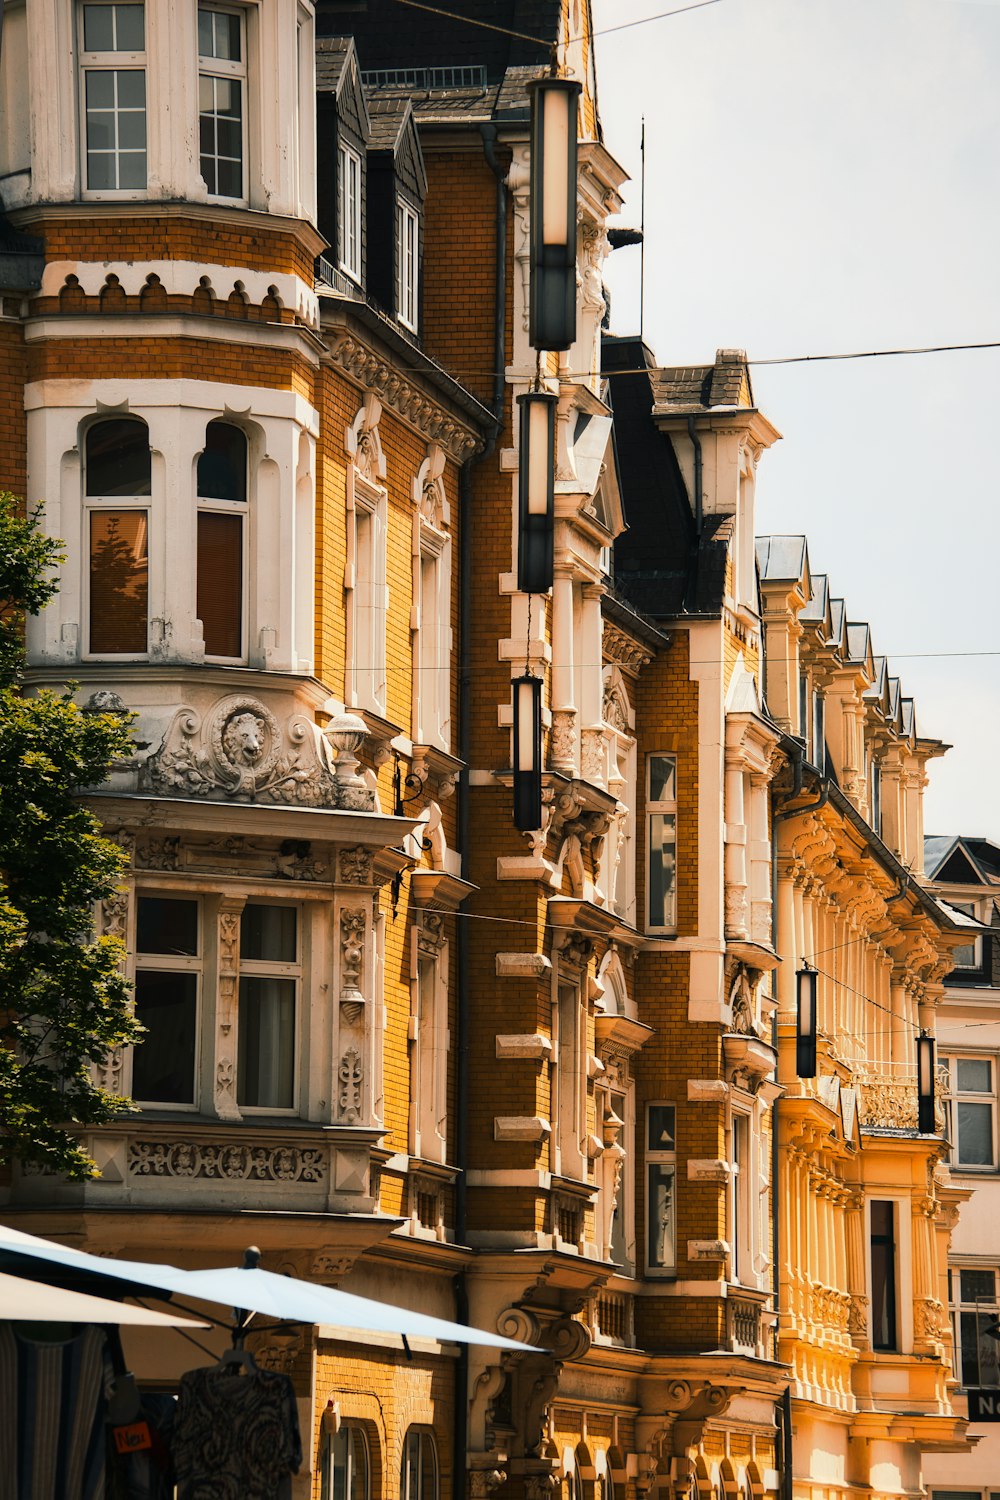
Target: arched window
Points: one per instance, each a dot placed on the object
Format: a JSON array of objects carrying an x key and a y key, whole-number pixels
[
  {"x": 418, "y": 1479},
  {"x": 117, "y": 473},
  {"x": 345, "y": 1469},
  {"x": 222, "y": 497}
]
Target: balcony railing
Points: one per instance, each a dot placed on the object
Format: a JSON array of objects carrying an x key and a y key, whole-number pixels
[
  {"x": 888, "y": 1097},
  {"x": 611, "y": 1318},
  {"x": 745, "y": 1325}
]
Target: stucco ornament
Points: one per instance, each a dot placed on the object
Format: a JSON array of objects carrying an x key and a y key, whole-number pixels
[
  {"x": 240, "y": 753},
  {"x": 230, "y": 1162}
]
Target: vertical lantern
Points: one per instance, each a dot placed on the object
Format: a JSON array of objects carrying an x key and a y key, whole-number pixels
[
  {"x": 536, "y": 490},
  {"x": 552, "y": 316},
  {"x": 925, "y": 1084},
  {"x": 527, "y": 753},
  {"x": 805, "y": 1022}
]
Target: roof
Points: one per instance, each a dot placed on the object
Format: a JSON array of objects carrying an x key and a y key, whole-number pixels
[
  {"x": 782, "y": 558},
  {"x": 817, "y": 610},
  {"x": 948, "y": 857},
  {"x": 392, "y": 130},
  {"x": 698, "y": 387},
  {"x": 331, "y": 55}
]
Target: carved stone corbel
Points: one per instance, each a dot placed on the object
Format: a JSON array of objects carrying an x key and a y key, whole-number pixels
[{"x": 228, "y": 940}]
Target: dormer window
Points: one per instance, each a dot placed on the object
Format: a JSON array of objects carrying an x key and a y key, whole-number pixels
[
  {"x": 349, "y": 211},
  {"x": 221, "y": 90},
  {"x": 407, "y": 264},
  {"x": 114, "y": 97}
]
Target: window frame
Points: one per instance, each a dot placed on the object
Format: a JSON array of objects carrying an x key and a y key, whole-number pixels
[
  {"x": 97, "y": 503},
  {"x": 259, "y": 968},
  {"x": 406, "y": 218},
  {"x": 958, "y": 1308},
  {"x": 422, "y": 1435},
  {"x": 666, "y": 808},
  {"x": 109, "y": 62},
  {"x": 348, "y": 156},
  {"x": 210, "y": 505},
  {"x": 970, "y": 909},
  {"x": 894, "y": 1279},
  {"x": 431, "y": 1041},
  {"x": 235, "y": 71},
  {"x": 652, "y": 1158},
  {"x": 742, "y": 1247},
  {"x": 972, "y": 1096},
  {"x": 366, "y": 683},
  {"x": 327, "y": 1480},
  {"x": 568, "y": 1055},
  {"x": 166, "y": 963}
]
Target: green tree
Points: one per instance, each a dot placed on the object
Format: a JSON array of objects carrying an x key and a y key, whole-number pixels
[{"x": 64, "y": 1004}]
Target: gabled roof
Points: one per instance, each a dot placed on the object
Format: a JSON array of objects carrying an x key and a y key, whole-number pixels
[
  {"x": 961, "y": 861},
  {"x": 784, "y": 559},
  {"x": 859, "y": 646},
  {"x": 838, "y": 624},
  {"x": 878, "y": 692},
  {"x": 337, "y": 74},
  {"x": 817, "y": 610},
  {"x": 394, "y": 131}
]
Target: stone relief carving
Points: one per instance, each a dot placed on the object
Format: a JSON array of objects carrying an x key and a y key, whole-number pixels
[
  {"x": 355, "y": 866},
  {"x": 240, "y": 753},
  {"x": 351, "y": 1076},
  {"x": 371, "y": 370},
  {"x": 277, "y": 1351},
  {"x": 562, "y": 741},
  {"x": 158, "y": 854},
  {"x": 352, "y": 952},
  {"x": 233, "y": 1163}
]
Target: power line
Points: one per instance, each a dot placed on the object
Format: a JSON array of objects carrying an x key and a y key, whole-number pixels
[{"x": 537, "y": 41}]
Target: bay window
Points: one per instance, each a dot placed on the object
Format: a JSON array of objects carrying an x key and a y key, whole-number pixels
[
  {"x": 269, "y": 981},
  {"x": 661, "y": 1179},
  {"x": 661, "y": 842},
  {"x": 168, "y": 969},
  {"x": 222, "y": 497},
  {"x": 117, "y": 486},
  {"x": 113, "y": 97},
  {"x": 221, "y": 93}
]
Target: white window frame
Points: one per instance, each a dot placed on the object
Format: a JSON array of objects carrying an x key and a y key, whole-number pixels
[
  {"x": 664, "y": 1159},
  {"x": 980, "y": 1307},
  {"x": 407, "y": 265},
  {"x": 175, "y": 963},
  {"x": 430, "y": 1041},
  {"x": 328, "y": 1483},
  {"x": 664, "y": 808},
  {"x": 971, "y": 1096},
  {"x": 368, "y": 596},
  {"x": 92, "y": 503},
  {"x": 971, "y": 909},
  {"x": 432, "y": 636},
  {"x": 109, "y": 62},
  {"x": 743, "y": 1250},
  {"x": 261, "y": 968},
  {"x": 244, "y": 511},
  {"x": 349, "y": 217},
  {"x": 417, "y": 1437},
  {"x": 236, "y": 72}
]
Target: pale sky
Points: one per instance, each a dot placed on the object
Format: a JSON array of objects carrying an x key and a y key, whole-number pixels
[{"x": 821, "y": 177}]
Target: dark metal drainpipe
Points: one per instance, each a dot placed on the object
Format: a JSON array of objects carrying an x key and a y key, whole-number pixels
[
  {"x": 460, "y": 1434},
  {"x": 698, "y": 513},
  {"x": 777, "y": 816}
]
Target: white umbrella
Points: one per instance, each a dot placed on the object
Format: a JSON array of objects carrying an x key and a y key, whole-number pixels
[
  {"x": 24, "y": 1301},
  {"x": 283, "y": 1297}
]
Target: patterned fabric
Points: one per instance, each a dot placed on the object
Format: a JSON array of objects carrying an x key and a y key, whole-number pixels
[
  {"x": 236, "y": 1437},
  {"x": 52, "y": 1434}
]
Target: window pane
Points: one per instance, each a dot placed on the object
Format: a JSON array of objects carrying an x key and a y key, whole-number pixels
[
  {"x": 428, "y": 1467},
  {"x": 661, "y": 778},
  {"x": 166, "y": 925},
  {"x": 268, "y": 933},
  {"x": 98, "y": 28},
  {"x": 119, "y": 582},
  {"x": 979, "y": 1350},
  {"x": 267, "y": 1043},
  {"x": 100, "y": 170},
  {"x": 131, "y": 88},
  {"x": 975, "y": 1134},
  {"x": 229, "y": 179},
  {"x": 129, "y": 29},
  {"x": 132, "y": 169},
  {"x": 661, "y": 1128},
  {"x": 660, "y": 1209},
  {"x": 220, "y": 583},
  {"x": 117, "y": 457},
  {"x": 661, "y": 866},
  {"x": 975, "y": 1075},
  {"x": 101, "y": 137},
  {"x": 100, "y": 88},
  {"x": 975, "y": 1285},
  {"x": 883, "y": 1276},
  {"x": 132, "y": 132},
  {"x": 163, "y": 1064},
  {"x": 964, "y": 957}
]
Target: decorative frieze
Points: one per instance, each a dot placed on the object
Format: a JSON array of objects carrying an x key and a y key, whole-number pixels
[
  {"x": 231, "y": 1163},
  {"x": 400, "y": 395}
]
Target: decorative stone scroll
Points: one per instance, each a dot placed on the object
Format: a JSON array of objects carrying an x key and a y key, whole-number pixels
[{"x": 231, "y": 1163}]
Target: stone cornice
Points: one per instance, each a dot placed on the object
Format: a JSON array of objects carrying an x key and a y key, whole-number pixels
[{"x": 379, "y": 372}]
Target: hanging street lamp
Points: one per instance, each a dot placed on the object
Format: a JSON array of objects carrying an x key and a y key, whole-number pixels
[
  {"x": 527, "y": 753},
  {"x": 552, "y": 311},
  {"x": 536, "y": 490},
  {"x": 805, "y": 1021}
]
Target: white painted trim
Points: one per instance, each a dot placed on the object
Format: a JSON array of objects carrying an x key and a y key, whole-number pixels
[
  {"x": 135, "y": 326},
  {"x": 182, "y": 278}
]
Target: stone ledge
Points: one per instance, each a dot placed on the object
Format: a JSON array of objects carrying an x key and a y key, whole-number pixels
[
  {"x": 520, "y": 1128},
  {"x": 705, "y": 1090},
  {"x": 707, "y": 1249},
  {"x": 529, "y": 1045},
  {"x": 522, "y": 965},
  {"x": 708, "y": 1170}
]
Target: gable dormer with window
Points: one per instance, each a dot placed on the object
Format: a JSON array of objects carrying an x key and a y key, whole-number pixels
[
  {"x": 343, "y": 130},
  {"x": 397, "y": 186}
]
